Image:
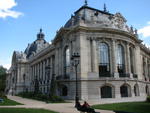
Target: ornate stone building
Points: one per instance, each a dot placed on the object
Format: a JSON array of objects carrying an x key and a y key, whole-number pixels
[{"x": 114, "y": 65}]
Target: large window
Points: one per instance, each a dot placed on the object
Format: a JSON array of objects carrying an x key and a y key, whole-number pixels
[
  {"x": 104, "y": 62},
  {"x": 66, "y": 62},
  {"x": 120, "y": 61},
  {"x": 131, "y": 60}
]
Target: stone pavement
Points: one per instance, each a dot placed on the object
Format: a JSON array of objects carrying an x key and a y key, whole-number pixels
[{"x": 58, "y": 107}]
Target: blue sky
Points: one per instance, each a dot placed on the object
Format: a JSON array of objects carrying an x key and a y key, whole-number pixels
[{"x": 20, "y": 20}]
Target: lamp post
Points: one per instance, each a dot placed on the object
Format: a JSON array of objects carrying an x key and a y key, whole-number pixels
[{"x": 75, "y": 62}]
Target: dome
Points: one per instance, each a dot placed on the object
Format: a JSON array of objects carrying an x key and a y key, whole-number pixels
[
  {"x": 37, "y": 45},
  {"x": 30, "y": 49},
  {"x": 40, "y": 35}
]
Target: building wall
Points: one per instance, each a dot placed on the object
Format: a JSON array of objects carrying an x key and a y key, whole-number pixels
[{"x": 84, "y": 36}]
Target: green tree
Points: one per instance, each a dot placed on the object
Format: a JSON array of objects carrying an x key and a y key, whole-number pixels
[{"x": 2, "y": 78}]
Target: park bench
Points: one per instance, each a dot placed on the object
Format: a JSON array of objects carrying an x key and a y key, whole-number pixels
[{"x": 84, "y": 110}]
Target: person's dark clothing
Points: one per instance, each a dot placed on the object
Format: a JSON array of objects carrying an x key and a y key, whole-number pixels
[{"x": 84, "y": 108}]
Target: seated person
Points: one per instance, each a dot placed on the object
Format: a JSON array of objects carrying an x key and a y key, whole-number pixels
[{"x": 85, "y": 107}]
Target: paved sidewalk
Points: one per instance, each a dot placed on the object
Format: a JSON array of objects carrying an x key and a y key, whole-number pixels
[{"x": 59, "y": 107}]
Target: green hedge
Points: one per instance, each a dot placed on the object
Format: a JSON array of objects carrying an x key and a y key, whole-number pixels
[
  {"x": 2, "y": 95},
  {"x": 41, "y": 97},
  {"x": 148, "y": 99}
]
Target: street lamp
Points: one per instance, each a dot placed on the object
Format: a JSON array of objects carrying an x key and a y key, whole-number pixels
[{"x": 75, "y": 61}]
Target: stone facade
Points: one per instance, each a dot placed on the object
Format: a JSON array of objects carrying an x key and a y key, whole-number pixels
[{"x": 114, "y": 65}]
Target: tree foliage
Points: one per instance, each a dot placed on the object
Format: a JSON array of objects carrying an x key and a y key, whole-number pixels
[{"x": 2, "y": 78}]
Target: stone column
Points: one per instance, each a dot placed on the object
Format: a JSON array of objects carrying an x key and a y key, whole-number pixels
[
  {"x": 41, "y": 79},
  {"x": 42, "y": 70},
  {"x": 146, "y": 70},
  {"x": 38, "y": 71},
  {"x": 138, "y": 62},
  {"x": 134, "y": 62},
  {"x": 44, "y": 64},
  {"x": 128, "y": 66},
  {"x": 94, "y": 54},
  {"x": 114, "y": 57},
  {"x": 91, "y": 54},
  {"x": 32, "y": 73},
  {"x": 35, "y": 71},
  {"x": 117, "y": 91},
  {"x": 128, "y": 61},
  {"x": 50, "y": 68}
]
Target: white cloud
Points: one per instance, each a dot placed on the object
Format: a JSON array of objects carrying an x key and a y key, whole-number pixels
[
  {"x": 5, "y": 62},
  {"x": 145, "y": 31},
  {"x": 6, "y": 9},
  {"x": 7, "y": 66},
  {"x": 146, "y": 44}
]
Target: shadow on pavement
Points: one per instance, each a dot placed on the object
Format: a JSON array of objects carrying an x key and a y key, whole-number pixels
[{"x": 122, "y": 112}]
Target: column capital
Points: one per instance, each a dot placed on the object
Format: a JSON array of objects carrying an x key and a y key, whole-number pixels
[
  {"x": 114, "y": 40},
  {"x": 91, "y": 38}
]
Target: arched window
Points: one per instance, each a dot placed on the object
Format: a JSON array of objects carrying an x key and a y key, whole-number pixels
[
  {"x": 67, "y": 57},
  {"x": 136, "y": 90},
  {"x": 104, "y": 62},
  {"x": 66, "y": 62},
  {"x": 131, "y": 60},
  {"x": 120, "y": 60},
  {"x": 125, "y": 91},
  {"x": 106, "y": 92}
]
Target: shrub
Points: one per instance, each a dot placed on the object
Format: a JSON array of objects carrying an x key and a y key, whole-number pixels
[
  {"x": 148, "y": 99},
  {"x": 41, "y": 97},
  {"x": 56, "y": 99},
  {"x": 2, "y": 95}
]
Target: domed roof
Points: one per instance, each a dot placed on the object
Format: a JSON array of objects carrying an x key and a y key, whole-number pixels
[
  {"x": 30, "y": 49},
  {"x": 91, "y": 17},
  {"x": 40, "y": 35},
  {"x": 37, "y": 45}
]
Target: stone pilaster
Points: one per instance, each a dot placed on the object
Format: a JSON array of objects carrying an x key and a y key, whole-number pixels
[
  {"x": 43, "y": 70},
  {"x": 92, "y": 57},
  {"x": 146, "y": 70},
  {"x": 94, "y": 54},
  {"x": 128, "y": 66},
  {"x": 114, "y": 57}
]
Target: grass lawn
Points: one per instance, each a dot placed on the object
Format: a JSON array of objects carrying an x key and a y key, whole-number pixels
[
  {"x": 24, "y": 110},
  {"x": 135, "y": 107},
  {"x": 8, "y": 102}
]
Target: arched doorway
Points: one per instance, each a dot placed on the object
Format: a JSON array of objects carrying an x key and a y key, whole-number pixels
[
  {"x": 147, "y": 90},
  {"x": 106, "y": 92},
  {"x": 125, "y": 90},
  {"x": 64, "y": 90},
  {"x": 136, "y": 90}
]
